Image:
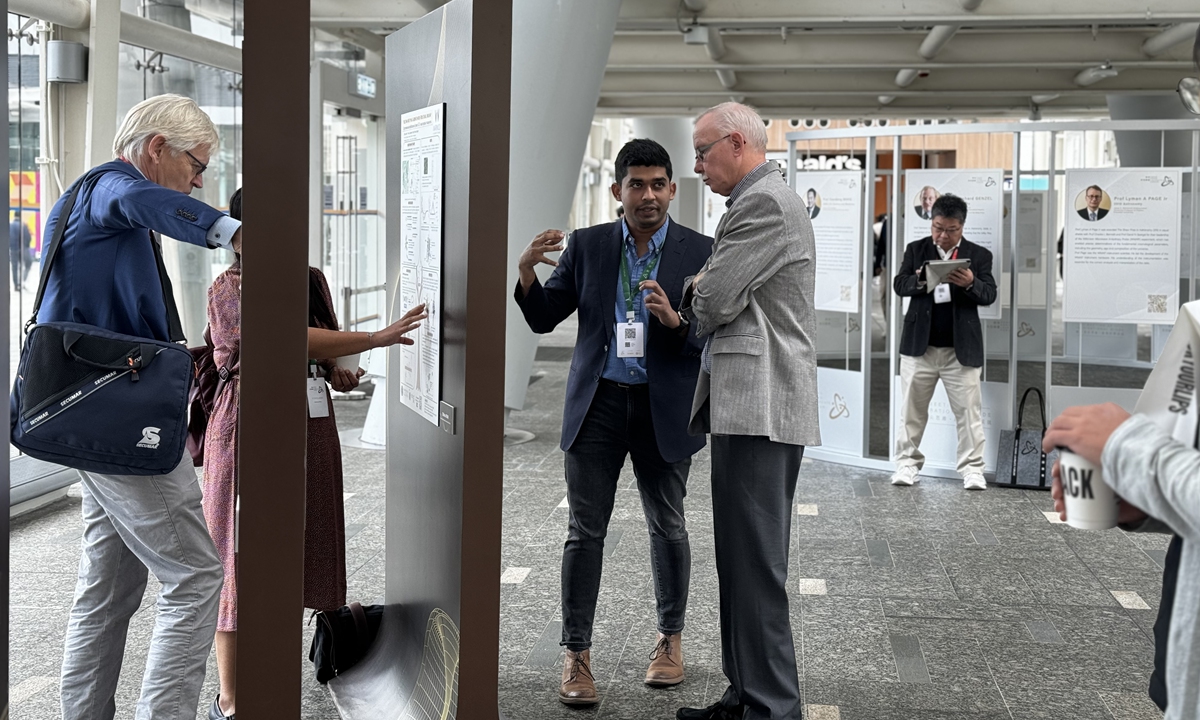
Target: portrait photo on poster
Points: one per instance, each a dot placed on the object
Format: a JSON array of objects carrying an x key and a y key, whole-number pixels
[
  {"x": 923, "y": 201},
  {"x": 812, "y": 200},
  {"x": 1093, "y": 203}
]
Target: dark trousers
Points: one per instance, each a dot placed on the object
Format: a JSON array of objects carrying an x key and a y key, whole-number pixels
[
  {"x": 1162, "y": 624},
  {"x": 753, "y": 486},
  {"x": 617, "y": 425}
]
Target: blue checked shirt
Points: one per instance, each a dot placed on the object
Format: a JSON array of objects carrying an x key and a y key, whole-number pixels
[{"x": 632, "y": 371}]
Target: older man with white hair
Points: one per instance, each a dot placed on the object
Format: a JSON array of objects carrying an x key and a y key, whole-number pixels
[
  {"x": 106, "y": 274},
  {"x": 757, "y": 396}
]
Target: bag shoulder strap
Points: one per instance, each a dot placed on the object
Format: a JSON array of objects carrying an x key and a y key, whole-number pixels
[
  {"x": 174, "y": 326},
  {"x": 361, "y": 628},
  {"x": 1041, "y": 407},
  {"x": 55, "y": 241}
]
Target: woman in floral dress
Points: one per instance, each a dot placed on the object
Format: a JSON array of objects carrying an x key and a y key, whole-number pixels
[{"x": 324, "y": 526}]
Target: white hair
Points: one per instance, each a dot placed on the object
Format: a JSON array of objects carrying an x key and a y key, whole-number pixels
[
  {"x": 730, "y": 117},
  {"x": 180, "y": 120}
]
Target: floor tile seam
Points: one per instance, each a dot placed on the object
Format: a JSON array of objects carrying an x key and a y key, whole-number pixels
[
  {"x": 1107, "y": 707},
  {"x": 992, "y": 674},
  {"x": 1090, "y": 572},
  {"x": 1129, "y": 615},
  {"x": 359, "y": 569},
  {"x": 621, "y": 655},
  {"x": 941, "y": 563}
]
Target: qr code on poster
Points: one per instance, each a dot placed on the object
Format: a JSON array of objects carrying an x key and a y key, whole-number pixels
[
  {"x": 846, "y": 289},
  {"x": 631, "y": 334},
  {"x": 1156, "y": 304}
]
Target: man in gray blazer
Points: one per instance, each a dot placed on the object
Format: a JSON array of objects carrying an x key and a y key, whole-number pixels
[{"x": 757, "y": 395}]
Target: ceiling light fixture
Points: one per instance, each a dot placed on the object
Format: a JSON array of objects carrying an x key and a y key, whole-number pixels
[{"x": 1093, "y": 75}]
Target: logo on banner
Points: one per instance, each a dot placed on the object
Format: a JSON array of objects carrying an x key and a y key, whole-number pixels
[
  {"x": 991, "y": 181},
  {"x": 839, "y": 409},
  {"x": 1167, "y": 181},
  {"x": 1025, "y": 330}
]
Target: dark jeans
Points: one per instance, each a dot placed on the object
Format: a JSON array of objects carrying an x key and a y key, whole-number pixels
[
  {"x": 1162, "y": 624},
  {"x": 618, "y": 424},
  {"x": 753, "y": 487}
]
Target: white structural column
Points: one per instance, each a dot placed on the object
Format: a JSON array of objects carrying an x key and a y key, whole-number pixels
[
  {"x": 104, "y": 49},
  {"x": 673, "y": 133},
  {"x": 558, "y": 56}
]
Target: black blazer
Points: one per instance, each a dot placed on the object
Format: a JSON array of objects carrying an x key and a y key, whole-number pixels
[
  {"x": 968, "y": 333},
  {"x": 586, "y": 280},
  {"x": 1100, "y": 213}
]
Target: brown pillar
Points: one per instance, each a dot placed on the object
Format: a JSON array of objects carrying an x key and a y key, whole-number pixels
[{"x": 274, "y": 351}]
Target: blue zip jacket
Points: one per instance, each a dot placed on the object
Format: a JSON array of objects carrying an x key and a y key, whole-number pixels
[{"x": 104, "y": 274}]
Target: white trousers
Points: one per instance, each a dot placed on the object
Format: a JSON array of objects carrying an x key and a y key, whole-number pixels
[{"x": 919, "y": 377}]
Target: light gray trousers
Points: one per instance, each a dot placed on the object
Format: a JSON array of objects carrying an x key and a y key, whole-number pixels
[{"x": 133, "y": 524}]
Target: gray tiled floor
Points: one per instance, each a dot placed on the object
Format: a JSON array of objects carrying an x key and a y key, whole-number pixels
[{"x": 938, "y": 603}]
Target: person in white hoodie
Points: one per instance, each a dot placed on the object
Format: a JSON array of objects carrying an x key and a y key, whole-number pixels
[{"x": 1159, "y": 476}]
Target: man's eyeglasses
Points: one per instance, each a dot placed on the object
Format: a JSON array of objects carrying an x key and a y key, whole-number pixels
[
  {"x": 947, "y": 231},
  {"x": 703, "y": 151},
  {"x": 199, "y": 164}
]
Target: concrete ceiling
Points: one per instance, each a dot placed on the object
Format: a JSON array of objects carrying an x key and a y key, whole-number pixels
[{"x": 867, "y": 58}]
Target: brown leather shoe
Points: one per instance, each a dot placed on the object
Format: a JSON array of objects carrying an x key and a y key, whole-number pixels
[
  {"x": 666, "y": 661},
  {"x": 578, "y": 686}
]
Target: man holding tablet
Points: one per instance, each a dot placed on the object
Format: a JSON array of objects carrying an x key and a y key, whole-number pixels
[{"x": 943, "y": 339}]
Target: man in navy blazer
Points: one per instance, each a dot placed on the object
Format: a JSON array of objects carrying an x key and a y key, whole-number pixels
[
  {"x": 629, "y": 393},
  {"x": 105, "y": 275}
]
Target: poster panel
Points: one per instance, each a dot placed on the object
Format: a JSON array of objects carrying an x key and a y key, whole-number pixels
[
  {"x": 835, "y": 206},
  {"x": 940, "y": 442},
  {"x": 1121, "y": 245},
  {"x": 840, "y": 393},
  {"x": 983, "y": 190},
  {"x": 422, "y": 175},
  {"x": 838, "y": 335},
  {"x": 1101, "y": 341},
  {"x": 1031, "y": 335},
  {"x": 712, "y": 209}
]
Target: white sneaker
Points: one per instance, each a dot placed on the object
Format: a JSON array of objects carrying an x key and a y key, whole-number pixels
[
  {"x": 906, "y": 475},
  {"x": 974, "y": 481}
]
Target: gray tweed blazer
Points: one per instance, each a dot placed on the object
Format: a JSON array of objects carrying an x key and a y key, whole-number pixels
[{"x": 755, "y": 299}]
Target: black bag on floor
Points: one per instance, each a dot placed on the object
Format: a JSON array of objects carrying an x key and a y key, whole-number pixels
[
  {"x": 96, "y": 400},
  {"x": 1020, "y": 461},
  {"x": 343, "y": 637}
]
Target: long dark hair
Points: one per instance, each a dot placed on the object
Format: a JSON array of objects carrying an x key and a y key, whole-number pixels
[{"x": 319, "y": 313}]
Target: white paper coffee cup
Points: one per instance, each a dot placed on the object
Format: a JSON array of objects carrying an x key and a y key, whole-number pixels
[
  {"x": 349, "y": 362},
  {"x": 1091, "y": 503}
]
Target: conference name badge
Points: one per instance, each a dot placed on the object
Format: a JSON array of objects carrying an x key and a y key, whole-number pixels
[
  {"x": 941, "y": 293},
  {"x": 318, "y": 405},
  {"x": 631, "y": 340}
]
